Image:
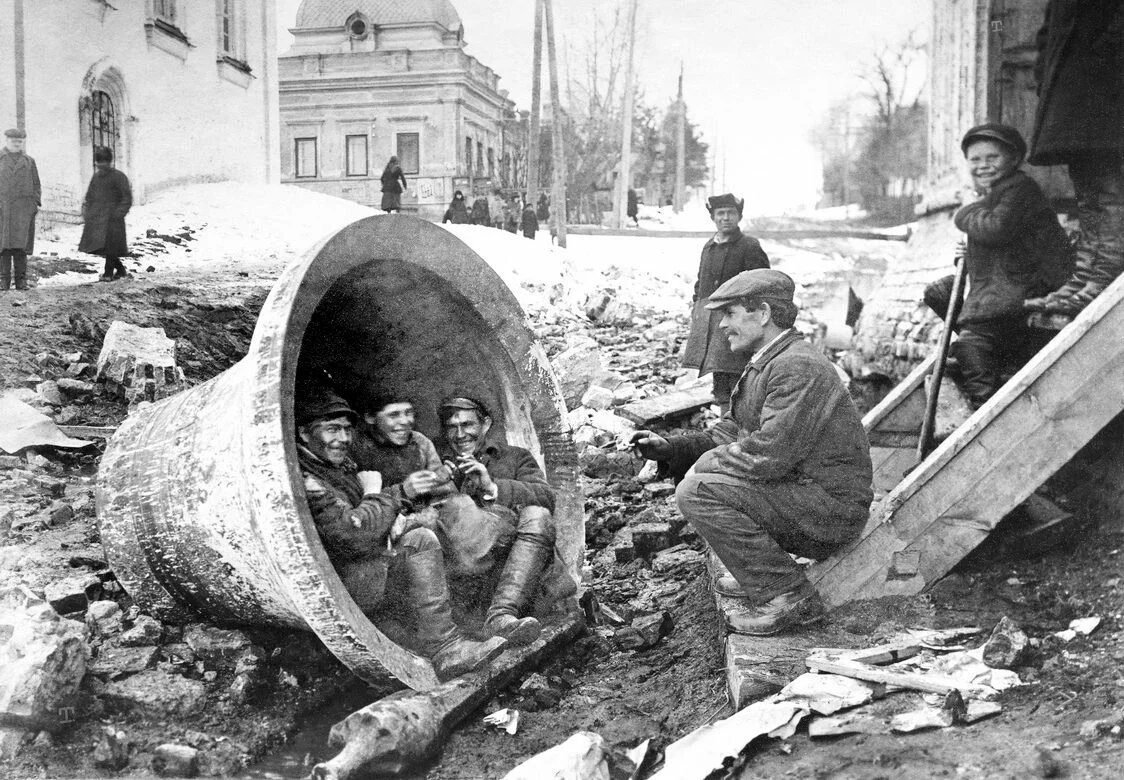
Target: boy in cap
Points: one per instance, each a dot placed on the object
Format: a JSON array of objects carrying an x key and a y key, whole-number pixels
[
  {"x": 728, "y": 253},
  {"x": 507, "y": 525},
  {"x": 787, "y": 469},
  {"x": 389, "y": 565},
  {"x": 20, "y": 198},
  {"x": 1015, "y": 249}
]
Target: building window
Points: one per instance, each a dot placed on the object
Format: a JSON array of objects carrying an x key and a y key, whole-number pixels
[
  {"x": 491, "y": 163},
  {"x": 356, "y": 152},
  {"x": 305, "y": 158},
  {"x": 479, "y": 158},
  {"x": 103, "y": 122},
  {"x": 165, "y": 11},
  {"x": 230, "y": 32},
  {"x": 468, "y": 156},
  {"x": 408, "y": 154},
  {"x": 358, "y": 26}
]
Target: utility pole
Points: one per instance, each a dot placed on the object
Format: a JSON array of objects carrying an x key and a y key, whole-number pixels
[
  {"x": 680, "y": 148},
  {"x": 557, "y": 142},
  {"x": 536, "y": 80},
  {"x": 626, "y": 124}
]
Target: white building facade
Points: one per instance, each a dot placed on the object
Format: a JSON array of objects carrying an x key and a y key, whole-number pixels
[
  {"x": 367, "y": 79},
  {"x": 183, "y": 91}
]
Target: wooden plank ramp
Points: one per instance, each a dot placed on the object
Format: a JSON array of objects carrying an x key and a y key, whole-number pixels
[{"x": 950, "y": 503}]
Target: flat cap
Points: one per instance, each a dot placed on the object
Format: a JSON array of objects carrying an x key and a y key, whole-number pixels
[
  {"x": 726, "y": 201},
  {"x": 318, "y": 403},
  {"x": 992, "y": 131},
  {"x": 15, "y": 132},
  {"x": 449, "y": 405},
  {"x": 758, "y": 283}
]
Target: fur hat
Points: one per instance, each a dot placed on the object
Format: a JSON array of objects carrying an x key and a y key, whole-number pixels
[{"x": 728, "y": 200}]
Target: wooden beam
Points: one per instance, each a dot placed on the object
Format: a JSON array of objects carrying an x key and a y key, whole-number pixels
[
  {"x": 536, "y": 109},
  {"x": 558, "y": 210},
  {"x": 88, "y": 431},
  {"x": 1028, "y": 430},
  {"x": 931, "y": 683},
  {"x": 673, "y": 404}
]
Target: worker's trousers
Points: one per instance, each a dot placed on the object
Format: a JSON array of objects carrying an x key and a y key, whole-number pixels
[{"x": 752, "y": 526}]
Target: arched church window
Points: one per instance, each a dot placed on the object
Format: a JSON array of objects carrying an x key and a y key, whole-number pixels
[{"x": 104, "y": 130}]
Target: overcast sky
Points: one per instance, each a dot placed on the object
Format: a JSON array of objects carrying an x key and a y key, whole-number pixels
[{"x": 759, "y": 73}]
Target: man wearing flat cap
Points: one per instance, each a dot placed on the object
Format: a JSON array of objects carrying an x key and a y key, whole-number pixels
[
  {"x": 1015, "y": 249},
  {"x": 786, "y": 470},
  {"x": 20, "y": 198},
  {"x": 727, "y": 253},
  {"x": 391, "y": 566},
  {"x": 512, "y": 528}
]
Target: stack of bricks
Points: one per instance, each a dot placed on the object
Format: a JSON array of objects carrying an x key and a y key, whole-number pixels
[
  {"x": 897, "y": 330},
  {"x": 139, "y": 364}
]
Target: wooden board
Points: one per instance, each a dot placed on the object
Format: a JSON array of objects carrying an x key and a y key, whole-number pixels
[
  {"x": 903, "y": 407},
  {"x": 1026, "y": 432},
  {"x": 673, "y": 404},
  {"x": 88, "y": 431}
]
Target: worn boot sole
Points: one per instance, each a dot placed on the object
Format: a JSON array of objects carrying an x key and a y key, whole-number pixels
[
  {"x": 802, "y": 613},
  {"x": 448, "y": 668}
]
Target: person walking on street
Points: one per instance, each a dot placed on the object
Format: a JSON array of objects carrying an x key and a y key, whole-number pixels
[
  {"x": 1080, "y": 124},
  {"x": 108, "y": 199},
  {"x": 529, "y": 223},
  {"x": 457, "y": 213},
  {"x": 724, "y": 256},
  {"x": 632, "y": 207},
  {"x": 393, "y": 185},
  {"x": 496, "y": 208},
  {"x": 20, "y": 199}
]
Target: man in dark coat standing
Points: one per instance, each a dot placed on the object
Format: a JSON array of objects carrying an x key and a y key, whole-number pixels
[
  {"x": 1080, "y": 124},
  {"x": 724, "y": 256},
  {"x": 786, "y": 470},
  {"x": 20, "y": 198},
  {"x": 108, "y": 199}
]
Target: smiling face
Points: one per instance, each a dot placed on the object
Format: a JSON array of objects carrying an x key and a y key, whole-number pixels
[
  {"x": 464, "y": 430},
  {"x": 394, "y": 422},
  {"x": 329, "y": 439},
  {"x": 744, "y": 328},
  {"x": 726, "y": 219},
  {"x": 989, "y": 162}
]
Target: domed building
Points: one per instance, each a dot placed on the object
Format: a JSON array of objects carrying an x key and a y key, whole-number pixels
[{"x": 367, "y": 79}]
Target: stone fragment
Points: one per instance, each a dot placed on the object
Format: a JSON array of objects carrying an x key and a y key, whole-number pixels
[
  {"x": 1007, "y": 646},
  {"x": 678, "y": 557},
  {"x": 61, "y": 513},
  {"x": 157, "y": 694},
  {"x": 575, "y": 368},
  {"x": 650, "y": 538},
  {"x": 215, "y": 646},
  {"x": 653, "y": 628},
  {"x": 978, "y": 710},
  {"x": 77, "y": 370},
  {"x": 72, "y": 594},
  {"x": 50, "y": 486},
  {"x": 848, "y": 723},
  {"x": 596, "y": 397},
  {"x": 114, "y": 661},
  {"x": 103, "y": 618},
  {"x": 601, "y": 465},
  {"x": 10, "y": 462},
  {"x": 112, "y": 749},
  {"x": 918, "y": 720},
  {"x": 44, "y": 660},
  {"x": 139, "y": 364},
  {"x": 659, "y": 489},
  {"x": 145, "y": 631},
  {"x": 171, "y": 760},
  {"x": 49, "y": 393},
  {"x": 75, "y": 388},
  {"x": 72, "y": 357}
]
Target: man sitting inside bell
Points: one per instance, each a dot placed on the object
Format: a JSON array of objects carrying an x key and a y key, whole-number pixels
[
  {"x": 507, "y": 529},
  {"x": 389, "y": 566},
  {"x": 786, "y": 470}
]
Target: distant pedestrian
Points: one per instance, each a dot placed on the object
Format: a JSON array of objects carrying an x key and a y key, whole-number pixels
[
  {"x": 496, "y": 208},
  {"x": 529, "y": 223},
  {"x": 542, "y": 213},
  {"x": 511, "y": 214},
  {"x": 108, "y": 199},
  {"x": 724, "y": 256},
  {"x": 457, "y": 213},
  {"x": 20, "y": 198},
  {"x": 393, "y": 185},
  {"x": 633, "y": 207},
  {"x": 480, "y": 212}
]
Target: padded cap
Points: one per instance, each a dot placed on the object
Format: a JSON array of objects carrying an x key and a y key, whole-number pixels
[
  {"x": 321, "y": 403},
  {"x": 1004, "y": 134}
]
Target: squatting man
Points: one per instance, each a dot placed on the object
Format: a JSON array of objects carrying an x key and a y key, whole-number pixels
[{"x": 786, "y": 470}]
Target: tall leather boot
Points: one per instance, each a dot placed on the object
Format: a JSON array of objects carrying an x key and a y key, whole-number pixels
[
  {"x": 439, "y": 638},
  {"x": 1108, "y": 254},
  {"x": 530, "y": 554},
  {"x": 5, "y": 271},
  {"x": 19, "y": 263}
]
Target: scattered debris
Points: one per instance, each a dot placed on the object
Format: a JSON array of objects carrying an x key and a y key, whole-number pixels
[
  {"x": 1007, "y": 645},
  {"x": 1078, "y": 627},
  {"x": 506, "y": 719},
  {"x": 25, "y": 427},
  {"x": 139, "y": 364}
]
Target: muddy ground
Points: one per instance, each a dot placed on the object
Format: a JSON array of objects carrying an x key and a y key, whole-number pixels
[{"x": 626, "y": 695}]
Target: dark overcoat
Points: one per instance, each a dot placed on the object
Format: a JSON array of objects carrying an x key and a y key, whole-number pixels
[
  {"x": 20, "y": 198},
  {"x": 108, "y": 199},
  {"x": 707, "y": 349},
  {"x": 1016, "y": 249},
  {"x": 790, "y": 419},
  {"x": 393, "y": 182},
  {"x": 1080, "y": 73}
]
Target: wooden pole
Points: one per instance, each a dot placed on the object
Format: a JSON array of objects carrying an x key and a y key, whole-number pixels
[
  {"x": 626, "y": 124},
  {"x": 680, "y": 147},
  {"x": 928, "y": 423},
  {"x": 536, "y": 110},
  {"x": 557, "y": 142}
]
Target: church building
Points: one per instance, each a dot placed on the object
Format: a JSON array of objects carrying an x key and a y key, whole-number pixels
[
  {"x": 183, "y": 91},
  {"x": 368, "y": 79}
]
